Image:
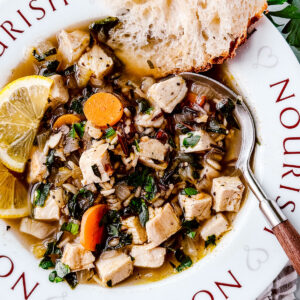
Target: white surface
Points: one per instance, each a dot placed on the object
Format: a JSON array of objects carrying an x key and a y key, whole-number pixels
[{"x": 250, "y": 253}]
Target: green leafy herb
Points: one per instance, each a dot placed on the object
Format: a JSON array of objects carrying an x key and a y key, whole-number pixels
[
  {"x": 79, "y": 203},
  {"x": 50, "y": 158},
  {"x": 109, "y": 132},
  {"x": 137, "y": 146},
  {"x": 54, "y": 278},
  {"x": 138, "y": 178},
  {"x": 171, "y": 142},
  {"x": 150, "y": 187},
  {"x": 211, "y": 240},
  {"x": 77, "y": 130},
  {"x": 42, "y": 57},
  {"x": 150, "y": 63},
  {"x": 192, "y": 234},
  {"x": 191, "y": 140},
  {"x": 69, "y": 71},
  {"x": 46, "y": 263},
  {"x": 140, "y": 208},
  {"x": 51, "y": 67},
  {"x": 52, "y": 249},
  {"x": 96, "y": 170},
  {"x": 113, "y": 225},
  {"x": 149, "y": 110},
  {"x": 185, "y": 261},
  {"x": 76, "y": 105},
  {"x": 41, "y": 194},
  {"x": 104, "y": 26},
  {"x": 72, "y": 280},
  {"x": 189, "y": 228},
  {"x": 226, "y": 108},
  {"x": 214, "y": 126},
  {"x": 61, "y": 269},
  {"x": 70, "y": 227},
  {"x": 291, "y": 11},
  {"x": 189, "y": 191},
  {"x": 143, "y": 105}
]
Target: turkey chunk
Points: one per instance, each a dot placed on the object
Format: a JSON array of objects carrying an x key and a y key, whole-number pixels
[
  {"x": 114, "y": 266},
  {"x": 168, "y": 93},
  {"x": 37, "y": 229},
  {"x": 227, "y": 192},
  {"x": 77, "y": 258},
  {"x": 52, "y": 142},
  {"x": 97, "y": 61},
  {"x": 217, "y": 225},
  {"x": 148, "y": 258},
  {"x": 50, "y": 211},
  {"x": 37, "y": 167},
  {"x": 96, "y": 157},
  {"x": 153, "y": 149},
  {"x": 72, "y": 45},
  {"x": 153, "y": 119},
  {"x": 164, "y": 224},
  {"x": 134, "y": 227},
  {"x": 196, "y": 141},
  {"x": 93, "y": 131},
  {"x": 59, "y": 92},
  {"x": 58, "y": 196},
  {"x": 196, "y": 206}
]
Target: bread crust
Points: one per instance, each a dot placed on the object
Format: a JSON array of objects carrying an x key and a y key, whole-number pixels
[{"x": 226, "y": 55}]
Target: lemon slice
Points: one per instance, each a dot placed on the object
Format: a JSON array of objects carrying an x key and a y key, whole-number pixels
[
  {"x": 22, "y": 106},
  {"x": 14, "y": 200}
]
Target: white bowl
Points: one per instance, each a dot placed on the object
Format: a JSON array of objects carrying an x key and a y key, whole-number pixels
[{"x": 249, "y": 257}]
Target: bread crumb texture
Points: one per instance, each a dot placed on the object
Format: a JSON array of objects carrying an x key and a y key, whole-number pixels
[{"x": 177, "y": 36}]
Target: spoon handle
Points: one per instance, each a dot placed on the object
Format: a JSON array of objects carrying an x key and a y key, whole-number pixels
[
  {"x": 286, "y": 234},
  {"x": 289, "y": 239}
]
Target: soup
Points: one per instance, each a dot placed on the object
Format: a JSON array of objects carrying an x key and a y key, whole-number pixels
[{"x": 131, "y": 178}]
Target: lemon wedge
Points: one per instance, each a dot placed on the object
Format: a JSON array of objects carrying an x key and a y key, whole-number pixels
[
  {"x": 22, "y": 106},
  {"x": 14, "y": 200}
]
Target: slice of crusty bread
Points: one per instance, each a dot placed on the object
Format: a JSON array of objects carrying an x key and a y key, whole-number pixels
[{"x": 180, "y": 35}]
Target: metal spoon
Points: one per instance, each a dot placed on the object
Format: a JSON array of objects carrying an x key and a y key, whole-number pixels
[{"x": 286, "y": 234}]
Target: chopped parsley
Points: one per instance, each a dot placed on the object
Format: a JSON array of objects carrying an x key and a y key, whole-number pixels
[
  {"x": 109, "y": 132},
  {"x": 185, "y": 261},
  {"x": 43, "y": 56},
  {"x": 140, "y": 208},
  {"x": 54, "y": 278},
  {"x": 42, "y": 193},
  {"x": 214, "y": 126},
  {"x": 150, "y": 187},
  {"x": 143, "y": 105},
  {"x": 70, "y": 227},
  {"x": 51, "y": 67},
  {"x": 191, "y": 140},
  {"x": 76, "y": 105},
  {"x": 77, "y": 130},
  {"x": 149, "y": 110},
  {"x": 50, "y": 158},
  {"x": 189, "y": 228},
  {"x": 189, "y": 191},
  {"x": 211, "y": 240},
  {"x": 46, "y": 263},
  {"x": 137, "y": 146}
]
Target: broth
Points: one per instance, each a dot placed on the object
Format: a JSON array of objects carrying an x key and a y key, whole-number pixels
[{"x": 140, "y": 275}]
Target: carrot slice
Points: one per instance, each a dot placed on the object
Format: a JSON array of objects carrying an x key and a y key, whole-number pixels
[
  {"x": 103, "y": 109},
  {"x": 91, "y": 232},
  {"x": 67, "y": 119}
]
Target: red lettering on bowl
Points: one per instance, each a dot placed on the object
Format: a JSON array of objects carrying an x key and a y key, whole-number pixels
[
  {"x": 285, "y": 84},
  {"x": 11, "y": 266},
  {"x": 26, "y": 296}
]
